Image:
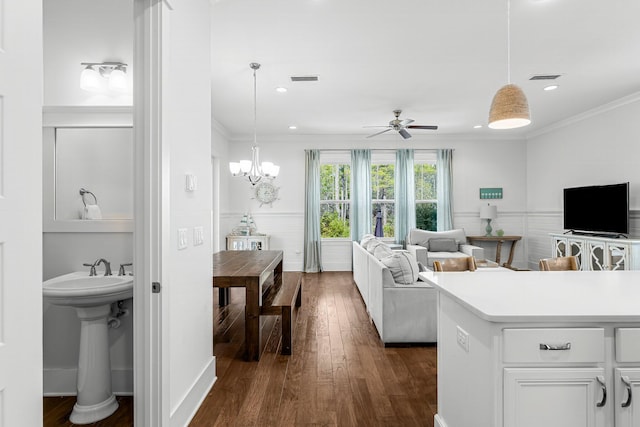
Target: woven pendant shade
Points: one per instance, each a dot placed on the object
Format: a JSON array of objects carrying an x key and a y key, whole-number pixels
[{"x": 509, "y": 109}]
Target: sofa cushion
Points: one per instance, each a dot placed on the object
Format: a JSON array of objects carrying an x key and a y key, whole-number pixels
[
  {"x": 442, "y": 245},
  {"x": 403, "y": 267},
  {"x": 373, "y": 244},
  {"x": 422, "y": 237},
  {"x": 382, "y": 251},
  {"x": 366, "y": 239}
]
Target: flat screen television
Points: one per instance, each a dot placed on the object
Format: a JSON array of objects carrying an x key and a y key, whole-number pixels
[{"x": 597, "y": 209}]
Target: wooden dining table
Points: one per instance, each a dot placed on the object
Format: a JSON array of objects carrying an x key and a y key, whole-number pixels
[{"x": 255, "y": 271}]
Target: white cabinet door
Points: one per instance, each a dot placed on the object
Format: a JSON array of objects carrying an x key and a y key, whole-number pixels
[
  {"x": 617, "y": 256},
  {"x": 627, "y": 404},
  {"x": 554, "y": 397}
]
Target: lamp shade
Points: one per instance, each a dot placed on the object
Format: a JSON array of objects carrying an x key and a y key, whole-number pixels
[
  {"x": 118, "y": 80},
  {"x": 90, "y": 79},
  {"x": 488, "y": 212},
  {"x": 509, "y": 109}
]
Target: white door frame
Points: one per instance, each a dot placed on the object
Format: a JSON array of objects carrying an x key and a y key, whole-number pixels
[{"x": 149, "y": 398}]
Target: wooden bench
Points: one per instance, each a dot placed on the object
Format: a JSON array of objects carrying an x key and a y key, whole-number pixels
[{"x": 281, "y": 299}]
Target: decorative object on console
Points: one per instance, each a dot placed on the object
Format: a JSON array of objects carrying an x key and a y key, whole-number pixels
[
  {"x": 114, "y": 72},
  {"x": 253, "y": 169},
  {"x": 499, "y": 232},
  {"x": 509, "y": 108},
  {"x": 247, "y": 226},
  {"x": 488, "y": 212},
  {"x": 266, "y": 193}
]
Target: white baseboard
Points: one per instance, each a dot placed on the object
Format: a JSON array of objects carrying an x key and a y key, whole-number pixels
[
  {"x": 438, "y": 421},
  {"x": 187, "y": 408},
  {"x": 62, "y": 382}
]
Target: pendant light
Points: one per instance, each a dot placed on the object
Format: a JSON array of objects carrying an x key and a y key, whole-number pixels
[
  {"x": 253, "y": 169},
  {"x": 509, "y": 108}
]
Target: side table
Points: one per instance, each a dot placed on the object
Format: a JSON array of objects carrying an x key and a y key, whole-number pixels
[{"x": 499, "y": 241}]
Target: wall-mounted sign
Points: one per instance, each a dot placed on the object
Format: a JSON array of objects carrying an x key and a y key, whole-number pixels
[{"x": 491, "y": 193}]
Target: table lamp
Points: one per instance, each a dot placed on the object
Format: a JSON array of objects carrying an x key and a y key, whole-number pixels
[{"x": 488, "y": 212}]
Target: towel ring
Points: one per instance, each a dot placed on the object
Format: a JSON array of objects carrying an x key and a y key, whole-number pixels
[{"x": 83, "y": 192}]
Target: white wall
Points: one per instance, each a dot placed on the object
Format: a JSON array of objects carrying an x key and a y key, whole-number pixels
[
  {"x": 78, "y": 31},
  {"x": 597, "y": 147},
  {"x": 186, "y": 139},
  {"x": 480, "y": 162},
  {"x": 83, "y": 31}
]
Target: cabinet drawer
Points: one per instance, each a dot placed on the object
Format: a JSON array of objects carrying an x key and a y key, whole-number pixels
[
  {"x": 553, "y": 345},
  {"x": 628, "y": 345}
]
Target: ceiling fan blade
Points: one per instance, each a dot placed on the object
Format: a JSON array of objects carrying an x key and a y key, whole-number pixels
[
  {"x": 429, "y": 127},
  {"x": 378, "y": 133},
  {"x": 406, "y": 122},
  {"x": 404, "y": 133}
]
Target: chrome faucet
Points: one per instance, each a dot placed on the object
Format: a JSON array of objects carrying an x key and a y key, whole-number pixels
[
  {"x": 107, "y": 266},
  {"x": 92, "y": 271},
  {"x": 121, "y": 271}
]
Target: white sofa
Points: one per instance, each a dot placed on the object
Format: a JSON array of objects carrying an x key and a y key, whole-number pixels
[
  {"x": 427, "y": 246},
  {"x": 401, "y": 313}
]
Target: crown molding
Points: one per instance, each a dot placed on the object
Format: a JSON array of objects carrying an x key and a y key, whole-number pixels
[
  {"x": 621, "y": 102},
  {"x": 218, "y": 127}
]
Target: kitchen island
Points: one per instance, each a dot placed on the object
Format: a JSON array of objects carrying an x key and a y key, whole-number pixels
[{"x": 538, "y": 348}]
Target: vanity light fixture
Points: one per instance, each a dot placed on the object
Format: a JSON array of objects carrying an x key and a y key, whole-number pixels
[
  {"x": 114, "y": 72},
  {"x": 253, "y": 169},
  {"x": 509, "y": 108}
]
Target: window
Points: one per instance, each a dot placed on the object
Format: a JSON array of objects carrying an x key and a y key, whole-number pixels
[
  {"x": 335, "y": 192},
  {"x": 382, "y": 194},
  {"x": 335, "y": 199},
  {"x": 426, "y": 190}
]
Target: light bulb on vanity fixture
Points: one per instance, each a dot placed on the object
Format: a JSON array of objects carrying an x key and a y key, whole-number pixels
[
  {"x": 114, "y": 72},
  {"x": 253, "y": 169},
  {"x": 509, "y": 108}
]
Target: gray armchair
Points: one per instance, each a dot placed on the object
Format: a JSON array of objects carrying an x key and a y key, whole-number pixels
[{"x": 429, "y": 246}]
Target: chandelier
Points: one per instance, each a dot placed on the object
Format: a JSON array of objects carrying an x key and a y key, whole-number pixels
[{"x": 252, "y": 169}]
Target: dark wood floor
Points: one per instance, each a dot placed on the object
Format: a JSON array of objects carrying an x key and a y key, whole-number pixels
[{"x": 338, "y": 375}]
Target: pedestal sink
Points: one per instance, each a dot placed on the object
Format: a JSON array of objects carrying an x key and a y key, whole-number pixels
[{"x": 91, "y": 296}]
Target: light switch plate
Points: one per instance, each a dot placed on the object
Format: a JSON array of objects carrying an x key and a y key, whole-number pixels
[
  {"x": 198, "y": 236},
  {"x": 182, "y": 238},
  {"x": 191, "y": 182}
]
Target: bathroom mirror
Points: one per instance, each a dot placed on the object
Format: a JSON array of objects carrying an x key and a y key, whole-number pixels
[{"x": 98, "y": 160}]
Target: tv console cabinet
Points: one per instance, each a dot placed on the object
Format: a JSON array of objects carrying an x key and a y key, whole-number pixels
[{"x": 596, "y": 253}]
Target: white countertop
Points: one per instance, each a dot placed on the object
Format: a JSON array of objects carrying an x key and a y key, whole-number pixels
[{"x": 544, "y": 296}]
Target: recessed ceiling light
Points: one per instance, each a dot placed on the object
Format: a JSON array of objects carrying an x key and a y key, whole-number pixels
[
  {"x": 477, "y": 126},
  {"x": 281, "y": 89},
  {"x": 551, "y": 87},
  {"x": 293, "y": 127}
]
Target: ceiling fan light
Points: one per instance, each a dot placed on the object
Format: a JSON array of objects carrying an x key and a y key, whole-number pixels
[{"x": 509, "y": 108}]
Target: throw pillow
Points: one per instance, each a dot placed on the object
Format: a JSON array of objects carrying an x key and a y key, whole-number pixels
[
  {"x": 443, "y": 245},
  {"x": 403, "y": 267},
  {"x": 366, "y": 239},
  {"x": 382, "y": 251},
  {"x": 373, "y": 244}
]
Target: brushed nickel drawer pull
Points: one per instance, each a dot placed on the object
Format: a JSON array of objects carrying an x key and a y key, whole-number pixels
[
  {"x": 627, "y": 383},
  {"x": 603, "y": 386},
  {"x": 566, "y": 346}
]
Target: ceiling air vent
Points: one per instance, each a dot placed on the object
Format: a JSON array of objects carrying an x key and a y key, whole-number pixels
[
  {"x": 304, "y": 78},
  {"x": 545, "y": 76}
]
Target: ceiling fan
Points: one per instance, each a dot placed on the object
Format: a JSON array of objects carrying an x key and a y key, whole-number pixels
[{"x": 401, "y": 126}]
